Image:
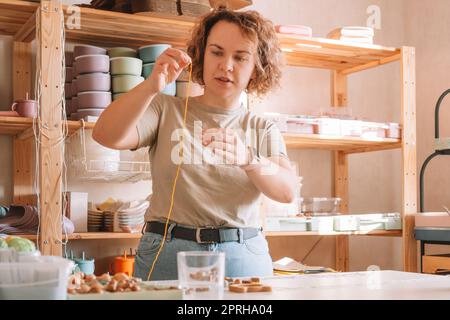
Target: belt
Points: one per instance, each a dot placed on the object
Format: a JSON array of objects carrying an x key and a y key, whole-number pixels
[{"x": 204, "y": 235}]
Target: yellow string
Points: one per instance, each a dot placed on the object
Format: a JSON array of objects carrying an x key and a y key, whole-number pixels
[{"x": 176, "y": 177}]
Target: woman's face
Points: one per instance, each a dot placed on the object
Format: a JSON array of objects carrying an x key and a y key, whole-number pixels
[{"x": 229, "y": 61}]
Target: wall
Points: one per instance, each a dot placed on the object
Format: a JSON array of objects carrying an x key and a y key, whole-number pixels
[
  {"x": 427, "y": 30},
  {"x": 373, "y": 94}
]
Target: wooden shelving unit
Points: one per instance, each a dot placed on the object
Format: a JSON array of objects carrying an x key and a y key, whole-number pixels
[
  {"x": 391, "y": 233},
  {"x": 18, "y": 19},
  {"x": 93, "y": 236}
]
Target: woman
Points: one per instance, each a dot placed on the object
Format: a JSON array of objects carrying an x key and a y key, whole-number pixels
[{"x": 230, "y": 156}]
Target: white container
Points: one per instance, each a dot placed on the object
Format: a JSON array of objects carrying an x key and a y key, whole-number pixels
[
  {"x": 374, "y": 130},
  {"x": 346, "y": 223},
  {"x": 321, "y": 206},
  {"x": 353, "y": 128},
  {"x": 322, "y": 224},
  {"x": 294, "y": 224},
  {"x": 301, "y": 126},
  {"x": 42, "y": 278},
  {"x": 328, "y": 126},
  {"x": 393, "y": 130}
]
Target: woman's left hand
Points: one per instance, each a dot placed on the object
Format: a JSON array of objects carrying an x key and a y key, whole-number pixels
[{"x": 226, "y": 146}]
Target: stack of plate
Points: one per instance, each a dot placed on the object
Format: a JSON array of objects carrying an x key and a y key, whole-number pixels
[
  {"x": 131, "y": 216},
  {"x": 95, "y": 221},
  {"x": 109, "y": 221}
]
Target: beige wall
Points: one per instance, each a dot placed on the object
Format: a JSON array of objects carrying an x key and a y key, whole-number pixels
[{"x": 374, "y": 94}]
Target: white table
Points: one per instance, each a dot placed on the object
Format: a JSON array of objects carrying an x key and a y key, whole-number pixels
[{"x": 386, "y": 285}]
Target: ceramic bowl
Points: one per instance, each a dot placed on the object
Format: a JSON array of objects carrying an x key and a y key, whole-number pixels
[
  {"x": 69, "y": 74},
  {"x": 116, "y": 96},
  {"x": 74, "y": 104},
  {"x": 194, "y": 90},
  {"x": 147, "y": 69},
  {"x": 89, "y": 112},
  {"x": 122, "y": 52},
  {"x": 74, "y": 116},
  {"x": 92, "y": 63},
  {"x": 68, "y": 106},
  {"x": 151, "y": 52},
  {"x": 74, "y": 69},
  {"x": 82, "y": 50},
  {"x": 68, "y": 57},
  {"x": 125, "y": 83},
  {"x": 94, "y": 82},
  {"x": 93, "y": 100},
  {"x": 73, "y": 89},
  {"x": 126, "y": 65},
  {"x": 67, "y": 90}
]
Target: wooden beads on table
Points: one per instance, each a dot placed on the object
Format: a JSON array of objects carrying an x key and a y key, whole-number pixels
[{"x": 243, "y": 286}]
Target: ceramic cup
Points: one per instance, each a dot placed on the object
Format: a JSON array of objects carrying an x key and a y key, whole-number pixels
[
  {"x": 86, "y": 266},
  {"x": 122, "y": 264},
  {"x": 25, "y": 108}
]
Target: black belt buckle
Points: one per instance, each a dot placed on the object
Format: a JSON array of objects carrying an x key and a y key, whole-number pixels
[{"x": 197, "y": 235}]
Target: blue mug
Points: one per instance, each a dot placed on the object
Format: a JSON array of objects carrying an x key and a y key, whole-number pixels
[{"x": 85, "y": 266}]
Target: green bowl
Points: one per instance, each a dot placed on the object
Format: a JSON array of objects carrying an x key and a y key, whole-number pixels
[
  {"x": 147, "y": 69},
  {"x": 116, "y": 96},
  {"x": 151, "y": 52},
  {"x": 126, "y": 65},
  {"x": 125, "y": 83},
  {"x": 122, "y": 52}
]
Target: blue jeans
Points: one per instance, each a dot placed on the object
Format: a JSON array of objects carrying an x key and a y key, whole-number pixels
[{"x": 247, "y": 259}]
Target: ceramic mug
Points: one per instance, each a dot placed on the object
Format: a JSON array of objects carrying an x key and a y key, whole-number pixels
[
  {"x": 122, "y": 264},
  {"x": 85, "y": 266},
  {"x": 25, "y": 108}
]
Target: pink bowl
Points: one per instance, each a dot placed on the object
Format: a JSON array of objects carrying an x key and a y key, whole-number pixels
[
  {"x": 92, "y": 63},
  {"x": 74, "y": 105},
  {"x": 73, "y": 88},
  {"x": 68, "y": 58},
  {"x": 68, "y": 90},
  {"x": 94, "y": 82},
  {"x": 69, "y": 74},
  {"x": 93, "y": 100},
  {"x": 82, "y": 50}
]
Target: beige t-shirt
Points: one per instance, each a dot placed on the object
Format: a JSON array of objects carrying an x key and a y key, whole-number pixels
[{"x": 207, "y": 194}]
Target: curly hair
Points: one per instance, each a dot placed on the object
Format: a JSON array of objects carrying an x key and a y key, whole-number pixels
[{"x": 256, "y": 28}]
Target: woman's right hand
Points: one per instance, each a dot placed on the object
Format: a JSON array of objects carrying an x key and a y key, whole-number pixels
[{"x": 167, "y": 68}]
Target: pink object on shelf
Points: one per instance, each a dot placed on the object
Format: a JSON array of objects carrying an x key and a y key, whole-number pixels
[
  {"x": 433, "y": 219},
  {"x": 299, "y": 30}
]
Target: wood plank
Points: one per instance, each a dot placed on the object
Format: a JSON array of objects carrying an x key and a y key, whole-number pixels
[
  {"x": 338, "y": 89},
  {"x": 372, "y": 64},
  {"x": 93, "y": 236},
  {"x": 339, "y": 143},
  {"x": 381, "y": 233},
  {"x": 28, "y": 31},
  {"x": 341, "y": 191},
  {"x": 409, "y": 157},
  {"x": 50, "y": 148},
  {"x": 433, "y": 263},
  {"x": 24, "y": 162},
  {"x": 22, "y": 56}
]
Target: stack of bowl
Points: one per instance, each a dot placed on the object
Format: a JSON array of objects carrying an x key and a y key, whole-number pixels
[
  {"x": 182, "y": 86},
  {"x": 131, "y": 216},
  {"x": 148, "y": 55},
  {"x": 92, "y": 86},
  {"x": 126, "y": 70},
  {"x": 68, "y": 82}
]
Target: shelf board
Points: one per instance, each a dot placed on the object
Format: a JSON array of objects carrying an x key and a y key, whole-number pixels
[
  {"x": 388, "y": 233},
  {"x": 14, "y": 125},
  {"x": 339, "y": 143},
  {"x": 19, "y": 125},
  {"x": 108, "y": 28},
  {"x": 92, "y": 236}
]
